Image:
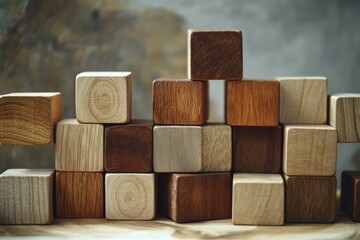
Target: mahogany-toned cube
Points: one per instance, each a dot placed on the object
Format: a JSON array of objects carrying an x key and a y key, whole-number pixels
[{"x": 350, "y": 194}]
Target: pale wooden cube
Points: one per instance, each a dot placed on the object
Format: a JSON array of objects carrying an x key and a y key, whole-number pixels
[
  {"x": 103, "y": 97},
  {"x": 309, "y": 150},
  {"x": 345, "y": 116},
  {"x": 192, "y": 148},
  {"x": 29, "y": 118},
  {"x": 130, "y": 196},
  {"x": 79, "y": 147},
  {"x": 303, "y": 100},
  {"x": 258, "y": 199},
  {"x": 26, "y": 196}
]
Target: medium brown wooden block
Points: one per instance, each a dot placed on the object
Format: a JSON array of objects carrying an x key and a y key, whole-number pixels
[
  {"x": 192, "y": 148},
  {"x": 79, "y": 195},
  {"x": 310, "y": 199},
  {"x": 79, "y": 147},
  {"x": 345, "y": 116},
  {"x": 128, "y": 148},
  {"x": 29, "y": 118},
  {"x": 350, "y": 194},
  {"x": 103, "y": 97},
  {"x": 309, "y": 150},
  {"x": 256, "y": 149},
  {"x": 195, "y": 197},
  {"x": 252, "y": 103},
  {"x": 182, "y": 102},
  {"x": 130, "y": 196},
  {"x": 303, "y": 100},
  {"x": 215, "y": 54},
  {"x": 258, "y": 199},
  {"x": 26, "y": 196}
]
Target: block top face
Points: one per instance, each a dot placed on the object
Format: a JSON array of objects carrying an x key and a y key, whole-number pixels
[
  {"x": 289, "y": 127},
  {"x": 257, "y": 178},
  {"x": 31, "y": 94},
  {"x": 18, "y": 172},
  {"x": 134, "y": 123},
  {"x": 103, "y": 97},
  {"x": 215, "y": 54},
  {"x": 354, "y": 174},
  {"x": 300, "y": 78}
]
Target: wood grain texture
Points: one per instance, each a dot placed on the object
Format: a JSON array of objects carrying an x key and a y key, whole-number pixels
[
  {"x": 103, "y": 97},
  {"x": 192, "y": 148},
  {"x": 309, "y": 150},
  {"x": 258, "y": 199},
  {"x": 345, "y": 116},
  {"x": 256, "y": 149},
  {"x": 252, "y": 103},
  {"x": 350, "y": 194},
  {"x": 79, "y": 147},
  {"x": 310, "y": 199},
  {"x": 130, "y": 196},
  {"x": 95, "y": 228},
  {"x": 195, "y": 197},
  {"x": 180, "y": 102},
  {"x": 303, "y": 100},
  {"x": 26, "y": 196},
  {"x": 128, "y": 148},
  {"x": 216, "y": 54},
  {"x": 29, "y": 118},
  {"x": 79, "y": 195}
]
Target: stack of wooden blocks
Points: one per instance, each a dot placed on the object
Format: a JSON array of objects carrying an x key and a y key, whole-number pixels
[{"x": 273, "y": 161}]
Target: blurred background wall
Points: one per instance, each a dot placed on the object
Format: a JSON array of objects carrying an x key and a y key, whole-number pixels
[{"x": 44, "y": 44}]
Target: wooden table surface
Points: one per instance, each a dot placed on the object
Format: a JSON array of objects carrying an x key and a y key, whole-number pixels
[{"x": 166, "y": 229}]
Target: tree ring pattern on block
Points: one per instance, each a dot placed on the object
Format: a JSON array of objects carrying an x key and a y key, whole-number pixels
[
  {"x": 103, "y": 99},
  {"x": 131, "y": 196}
]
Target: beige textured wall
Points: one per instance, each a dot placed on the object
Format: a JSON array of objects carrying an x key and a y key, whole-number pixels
[{"x": 44, "y": 44}]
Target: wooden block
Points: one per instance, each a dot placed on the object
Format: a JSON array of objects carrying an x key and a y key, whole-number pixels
[
  {"x": 215, "y": 54},
  {"x": 26, "y": 196},
  {"x": 309, "y": 150},
  {"x": 350, "y": 194},
  {"x": 128, "y": 148},
  {"x": 180, "y": 102},
  {"x": 192, "y": 148},
  {"x": 103, "y": 97},
  {"x": 303, "y": 100},
  {"x": 79, "y": 147},
  {"x": 252, "y": 103},
  {"x": 256, "y": 149},
  {"x": 345, "y": 116},
  {"x": 29, "y": 118},
  {"x": 258, "y": 199},
  {"x": 130, "y": 196},
  {"x": 195, "y": 197},
  {"x": 79, "y": 195},
  {"x": 310, "y": 199}
]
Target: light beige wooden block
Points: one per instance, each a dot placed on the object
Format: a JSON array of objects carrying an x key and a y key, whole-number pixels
[
  {"x": 309, "y": 150},
  {"x": 258, "y": 199},
  {"x": 103, "y": 97},
  {"x": 130, "y": 196},
  {"x": 26, "y": 196},
  {"x": 29, "y": 118},
  {"x": 303, "y": 100},
  {"x": 192, "y": 148},
  {"x": 79, "y": 147},
  {"x": 345, "y": 116}
]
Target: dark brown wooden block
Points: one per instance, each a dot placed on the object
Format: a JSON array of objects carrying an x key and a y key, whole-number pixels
[
  {"x": 215, "y": 55},
  {"x": 182, "y": 102},
  {"x": 350, "y": 194},
  {"x": 256, "y": 149},
  {"x": 79, "y": 195},
  {"x": 310, "y": 199},
  {"x": 128, "y": 148},
  {"x": 252, "y": 103},
  {"x": 195, "y": 197}
]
